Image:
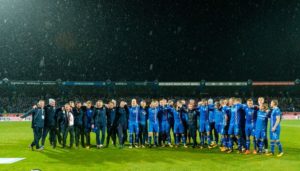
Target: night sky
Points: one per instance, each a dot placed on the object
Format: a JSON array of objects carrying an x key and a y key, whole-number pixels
[{"x": 138, "y": 40}]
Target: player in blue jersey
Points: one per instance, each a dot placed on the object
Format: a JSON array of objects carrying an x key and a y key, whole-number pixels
[
  {"x": 251, "y": 115},
  {"x": 153, "y": 128},
  {"x": 275, "y": 119},
  {"x": 134, "y": 123},
  {"x": 225, "y": 124},
  {"x": 235, "y": 125},
  {"x": 178, "y": 124},
  {"x": 164, "y": 115},
  {"x": 260, "y": 126},
  {"x": 204, "y": 128},
  {"x": 170, "y": 104},
  {"x": 211, "y": 117},
  {"x": 218, "y": 118},
  {"x": 261, "y": 101}
]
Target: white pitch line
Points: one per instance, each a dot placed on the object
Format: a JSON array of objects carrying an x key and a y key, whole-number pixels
[{"x": 10, "y": 160}]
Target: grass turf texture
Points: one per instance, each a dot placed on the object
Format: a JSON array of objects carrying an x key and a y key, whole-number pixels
[{"x": 16, "y": 136}]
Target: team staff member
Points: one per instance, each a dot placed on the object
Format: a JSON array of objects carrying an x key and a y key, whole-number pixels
[
  {"x": 66, "y": 121},
  {"x": 111, "y": 123},
  {"x": 50, "y": 123},
  {"x": 143, "y": 117},
  {"x": 78, "y": 124},
  {"x": 99, "y": 122},
  {"x": 38, "y": 118},
  {"x": 121, "y": 122},
  {"x": 87, "y": 120}
]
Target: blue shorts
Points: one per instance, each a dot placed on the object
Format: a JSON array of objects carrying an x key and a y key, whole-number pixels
[
  {"x": 178, "y": 128},
  {"x": 234, "y": 130},
  {"x": 153, "y": 127},
  {"x": 249, "y": 130},
  {"x": 164, "y": 127},
  {"x": 219, "y": 128},
  {"x": 260, "y": 134},
  {"x": 204, "y": 126},
  {"x": 275, "y": 135},
  {"x": 133, "y": 127}
]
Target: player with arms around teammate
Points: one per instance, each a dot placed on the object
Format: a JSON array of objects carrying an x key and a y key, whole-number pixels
[
  {"x": 218, "y": 118},
  {"x": 225, "y": 125},
  {"x": 275, "y": 120},
  {"x": 153, "y": 128},
  {"x": 251, "y": 115},
  {"x": 178, "y": 124},
  {"x": 164, "y": 115},
  {"x": 134, "y": 123},
  {"x": 204, "y": 127},
  {"x": 235, "y": 125}
]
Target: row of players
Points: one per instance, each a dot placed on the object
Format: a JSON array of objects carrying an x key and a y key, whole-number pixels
[{"x": 227, "y": 118}]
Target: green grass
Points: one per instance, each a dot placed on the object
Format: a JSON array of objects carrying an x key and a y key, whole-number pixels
[{"x": 15, "y": 137}]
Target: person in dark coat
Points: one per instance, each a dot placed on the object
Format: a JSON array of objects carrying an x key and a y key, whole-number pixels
[
  {"x": 78, "y": 113},
  {"x": 66, "y": 121},
  {"x": 38, "y": 118},
  {"x": 50, "y": 123},
  {"x": 99, "y": 123},
  {"x": 111, "y": 123}
]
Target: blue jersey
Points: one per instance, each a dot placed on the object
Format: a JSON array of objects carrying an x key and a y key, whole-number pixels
[
  {"x": 204, "y": 115},
  {"x": 226, "y": 115},
  {"x": 134, "y": 114},
  {"x": 275, "y": 113},
  {"x": 251, "y": 115},
  {"x": 218, "y": 116},
  {"x": 211, "y": 112},
  {"x": 164, "y": 113},
  {"x": 261, "y": 120},
  {"x": 153, "y": 113},
  {"x": 235, "y": 114},
  {"x": 178, "y": 116},
  {"x": 143, "y": 116}
]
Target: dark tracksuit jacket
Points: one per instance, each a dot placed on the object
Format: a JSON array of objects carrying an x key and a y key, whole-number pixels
[
  {"x": 99, "y": 122},
  {"x": 192, "y": 124},
  {"x": 51, "y": 125},
  {"x": 66, "y": 128},
  {"x": 78, "y": 126},
  {"x": 37, "y": 124},
  {"x": 111, "y": 125},
  {"x": 87, "y": 123},
  {"x": 121, "y": 122}
]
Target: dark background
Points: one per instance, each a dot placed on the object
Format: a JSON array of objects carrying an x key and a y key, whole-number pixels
[{"x": 148, "y": 39}]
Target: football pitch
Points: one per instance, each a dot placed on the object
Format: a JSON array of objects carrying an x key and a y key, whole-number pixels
[{"x": 16, "y": 136}]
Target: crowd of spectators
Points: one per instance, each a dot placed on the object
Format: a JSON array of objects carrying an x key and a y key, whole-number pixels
[{"x": 21, "y": 103}]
